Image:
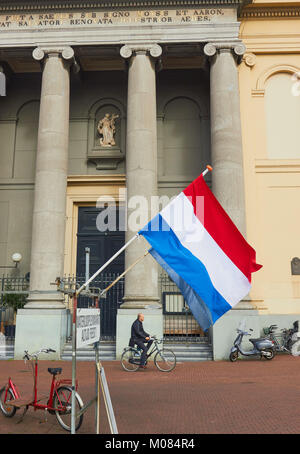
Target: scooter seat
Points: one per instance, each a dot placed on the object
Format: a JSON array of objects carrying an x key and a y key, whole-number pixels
[{"x": 256, "y": 340}]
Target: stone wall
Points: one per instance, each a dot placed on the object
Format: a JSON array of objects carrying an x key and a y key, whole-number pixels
[{"x": 183, "y": 139}]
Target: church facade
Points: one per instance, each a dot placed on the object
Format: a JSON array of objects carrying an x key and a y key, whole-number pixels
[{"x": 115, "y": 103}]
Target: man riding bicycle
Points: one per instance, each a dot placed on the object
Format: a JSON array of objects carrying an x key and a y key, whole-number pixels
[{"x": 140, "y": 338}]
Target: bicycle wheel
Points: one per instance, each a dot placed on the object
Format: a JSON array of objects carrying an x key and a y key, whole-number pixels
[
  {"x": 7, "y": 410},
  {"x": 129, "y": 359},
  {"x": 165, "y": 360},
  {"x": 62, "y": 404}
]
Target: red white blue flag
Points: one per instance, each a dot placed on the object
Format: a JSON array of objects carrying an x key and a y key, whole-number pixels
[{"x": 203, "y": 252}]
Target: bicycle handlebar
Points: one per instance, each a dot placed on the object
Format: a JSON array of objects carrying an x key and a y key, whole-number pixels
[
  {"x": 155, "y": 339},
  {"x": 36, "y": 354}
]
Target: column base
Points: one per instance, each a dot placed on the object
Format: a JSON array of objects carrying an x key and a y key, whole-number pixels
[
  {"x": 45, "y": 301},
  {"x": 40, "y": 328},
  {"x": 140, "y": 302},
  {"x": 153, "y": 324}
]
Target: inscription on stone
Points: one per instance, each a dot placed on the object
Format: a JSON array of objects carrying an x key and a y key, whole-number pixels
[{"x": 104, "y": 18}]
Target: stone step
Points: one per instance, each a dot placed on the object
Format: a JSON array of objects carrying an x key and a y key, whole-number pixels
[
  {"x": 6, "y": 352},
  {"x": 194, "y": 351},
  {"x": 187, "y": 347},
  {"x": 107, "y": 352}
]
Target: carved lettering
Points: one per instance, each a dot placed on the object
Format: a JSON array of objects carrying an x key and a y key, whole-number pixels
[{"x": 117, "y": 17}]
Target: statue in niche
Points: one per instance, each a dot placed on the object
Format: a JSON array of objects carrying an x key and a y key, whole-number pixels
[{"x": 106, "y": 127}]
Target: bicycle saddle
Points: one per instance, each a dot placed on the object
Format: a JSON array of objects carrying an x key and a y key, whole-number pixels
[{"x": 54, "y": 371}]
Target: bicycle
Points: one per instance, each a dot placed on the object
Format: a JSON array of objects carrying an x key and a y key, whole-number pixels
[
  {"x": 164, "y": 360},
  {"x": 283, "y": 341},
  {"x": 59, "y": 398}
]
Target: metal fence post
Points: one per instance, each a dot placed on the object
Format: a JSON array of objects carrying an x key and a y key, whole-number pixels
[
  {"x": 97, "y": 406},
  {"x": 73, "y": 408}
]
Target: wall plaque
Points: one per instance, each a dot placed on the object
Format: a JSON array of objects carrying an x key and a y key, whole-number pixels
[{"x": 295, "y": 265}]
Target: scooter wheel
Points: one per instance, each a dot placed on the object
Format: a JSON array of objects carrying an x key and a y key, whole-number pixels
[
  {"x": 233, "y": 356},
  {"x": 271, "y": 356}
]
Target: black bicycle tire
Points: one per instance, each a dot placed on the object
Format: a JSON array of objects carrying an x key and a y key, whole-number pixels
[
  {"x": 79, "y": 400},
  {"x": 127, "y": 351},
  {"x": 158, "y": 353}
]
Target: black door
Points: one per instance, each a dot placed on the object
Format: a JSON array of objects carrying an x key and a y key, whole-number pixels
[{"x": 102, "y": 246}]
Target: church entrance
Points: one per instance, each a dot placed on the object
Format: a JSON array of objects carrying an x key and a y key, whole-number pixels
[{"x": 102, "y": 245}]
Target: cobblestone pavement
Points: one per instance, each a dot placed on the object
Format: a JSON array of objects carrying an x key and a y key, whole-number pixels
[{"x": 250, "y": 396}]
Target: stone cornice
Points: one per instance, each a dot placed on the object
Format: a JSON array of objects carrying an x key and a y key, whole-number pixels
[
  {"x": 44, "y": 5},
  {"x": 270, "y": 12}
]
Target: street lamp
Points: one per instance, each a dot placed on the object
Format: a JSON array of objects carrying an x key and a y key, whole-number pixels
[{"x": 16, "y": 258}]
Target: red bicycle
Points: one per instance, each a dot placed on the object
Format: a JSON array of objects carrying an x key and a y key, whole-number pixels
[{"x": 59, "y": 398}]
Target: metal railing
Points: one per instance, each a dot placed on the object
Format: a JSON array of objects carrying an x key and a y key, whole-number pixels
[
  {"x": 179, "y": 323},
  {"x": 13, "y": 294}
]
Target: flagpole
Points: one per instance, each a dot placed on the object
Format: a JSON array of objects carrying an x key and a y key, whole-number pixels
[
  {"x": 123, "y": 274},
  {"x": 208, "y": 169},
  {"x": 107, "y": 263}
]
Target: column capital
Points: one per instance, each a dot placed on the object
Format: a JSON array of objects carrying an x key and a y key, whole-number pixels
[
  {"x": 65, "y": 52},
  {"x": 237, "y": 49},
  {"x": 128, "y": 50}
]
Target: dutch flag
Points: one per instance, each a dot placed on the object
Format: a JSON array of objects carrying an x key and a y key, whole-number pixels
[{"x": 203, "y": 252}]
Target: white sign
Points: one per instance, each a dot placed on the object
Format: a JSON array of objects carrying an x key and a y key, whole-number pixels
[{"x": 88, "y": 327}]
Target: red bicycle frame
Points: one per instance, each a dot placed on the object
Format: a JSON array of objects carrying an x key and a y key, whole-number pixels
[
  {"x": 14, "y": 389},
  {"x": 54, "y": 386}
]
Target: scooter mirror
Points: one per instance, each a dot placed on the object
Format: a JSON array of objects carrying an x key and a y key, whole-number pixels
[{"x": 242, "y": 325}]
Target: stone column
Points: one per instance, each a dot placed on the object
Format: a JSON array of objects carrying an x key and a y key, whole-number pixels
[
  {"x": 48, "y": 229},
  {"x": 141, "y": 167},
  {"x": 42, "y": 318},
  {"x": 227, "y": 161},
  {"x": 141, "y": 284},
  {"x": 226, "y": 137}
]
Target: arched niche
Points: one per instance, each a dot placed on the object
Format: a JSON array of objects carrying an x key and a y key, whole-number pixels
[
  {"x": 282, "y": 114},
  {"x": 102, "y": 155},
  {"x": 26, "y": 140},
  {"x": 271, "y": 71},
  {"x": 185, "y": 139}
]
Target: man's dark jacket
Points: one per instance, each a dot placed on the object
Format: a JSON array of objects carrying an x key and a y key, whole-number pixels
[{"x": 137, "y": 332}]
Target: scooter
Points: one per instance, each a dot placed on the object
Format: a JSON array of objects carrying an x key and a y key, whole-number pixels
[{"x": 261, "y": 347}]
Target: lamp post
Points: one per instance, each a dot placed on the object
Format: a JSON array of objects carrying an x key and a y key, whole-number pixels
[{"x": 16, "y": 258}]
